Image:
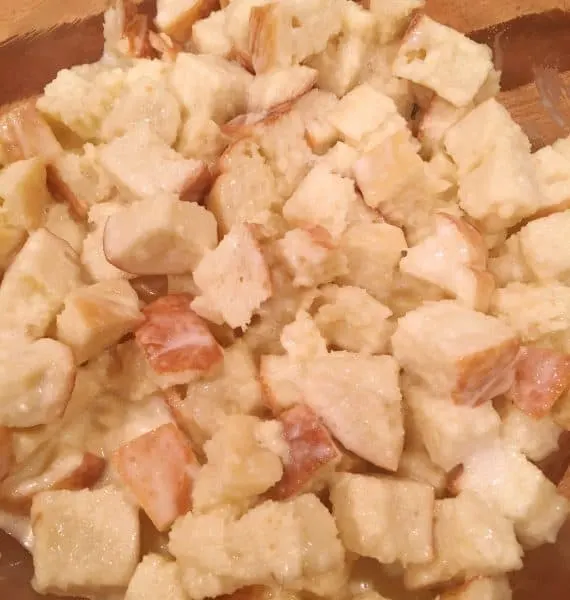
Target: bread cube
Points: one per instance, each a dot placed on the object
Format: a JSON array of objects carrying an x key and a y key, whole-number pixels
[
  {"x": 93, "y": 256},
  {"x": 345, "y": 390},
  {"x": 155, "y": 577},
  {"x": 238, "y": 468},
  {"x": 443, "y": 60},
  {"x": 291, "y": 544},
  {"x": 155, "y": 469},
  {"x": 60, "y": 222},
  {"x": 98, "y": 316},
  {"x": 209, "y": 35},
  {"x": 279, "y": 86},
  {"x": 159, "y": 236},
  {"x": 210, "y": 86},
  {"x": 340, "y": 159},
  {"x": 471, "y": 539},
  {"x": 508, "y": 264},
  {"x": 11, "y": 241},
  {"x": 351, "y": 319},
  {"x": 449, "y": 432},
  {"x": 301, "y": 338},
  {"x": 23, "y": 193},
  {"x": 535, "y": 438},
  {"x": 392, "y": 18},
  {"x": 416, "y": 465},
  {"x": 176, "y": 341},
  {"x": 81, "y": 96},
  {"x": 233, "y": 389},
  {"x": 247, "y": 191},
  {"x": 437, "y": 119},
  {"x": 497, "y": 473},
  {"x": 533, "y": 312},
  {"x": 101, "y": 525},
  {"x": 373, "y": 251},
  {"x": 233, "y": 278},
  {"x": 147, "y": 101},
  {"x": 553, "y": 173},
  {"x": 481, "y": 588},
  {"x": 177, "y": 18},
  {"x": 279, "y": 377},
  {"x": 457, "y": 352},
  {"x": 310, "y": 453},
  {"x": 201, "y": 139},
  {"x": 274, "y": 43},
  {"x": 401, "y": 512},
  {"x": 144, "y": 166},
  {"x": 314, "y": 108},
  {"x": 36, "y": 283},
  {"x": 322, "y": 199},
  {"x": 455, "y": 259},
  {"x": 237, "y": 22}
]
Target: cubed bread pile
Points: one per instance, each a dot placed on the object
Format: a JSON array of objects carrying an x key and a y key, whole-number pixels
[{"x": 285, "y": 293}]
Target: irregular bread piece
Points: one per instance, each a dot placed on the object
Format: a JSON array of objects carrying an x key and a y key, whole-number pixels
[
  {"x": 302, "y": 339},
  {"x": 175, "y": 340},
  {"x": 457, "y": 352},
  {"x": 209, "y": 35},
  {"x": 443, "y": 60},
  {"x": 155, "y": 467},
  {"x": 160, "y": 235},
  {"x": 156, "y": 577},
  {"x": 470, "y": 539},
  {"x": 176, "y": 17},
  {"x": 351, "y": 319},
  {"x": 11, "y": 241},
  {"x": 402, "y": 512},
  {"x": 449, "y": 432},
  {"x": 145, "y": 166},
  {"x": 98, "y": 316},
  {"x": 233, "y": 278},
  {"x": 553, "y": 173},
  {"x": 280, "y": 379},
  {"x": 101, "y": 525},
  {"x": 415, "y": 464},
  {"x": 24, "y": 196},
  {"x": 279, "y": 86},
  {"x": 61, "y": 223},
  {"x": 455, "y": 259},
  {"x": 392, "y": 18},
  {"x": 345, "y": 390},
  {"x": 314, "y": 108},
  {"x": 497, "y": 473},
  {"x": 36, "y": 283},
  {"x": 201, "y": 139}
]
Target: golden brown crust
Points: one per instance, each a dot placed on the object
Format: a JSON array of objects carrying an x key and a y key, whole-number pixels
[
  {"x": 181, "y": 28},
  {"x": 62, "y": 192},
  {"x": 263, "y": 31}
]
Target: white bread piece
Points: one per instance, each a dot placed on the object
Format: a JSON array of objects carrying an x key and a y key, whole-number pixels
[
  {"x": 388, "y": 503},
  {"x": 274, "y": 43},
  {"x": 98, "y": 316},
  {"x": 93, "y": 254},
  {"x": 322, "y": 199},
  {"x": 314, "y": 108},
  {"x": 311, "y": 256},
  {"x": 176, "y": 17},
  {"x": 79, "y": 181},
  {"x": 373, "y": 251},
  {"x": 340, "y": 159},
  {"x": 143, "y": 165},
  {"x": 11, "y": 241},
  {"x": 37, "y": 381},
  {"x": 238, "y": 468},
  {"x": 147, "y": 101},
  {"x": 210, "y": 86},
  {"x": 438, "y": 118},
  {"x": 449, "y": 432},
  {"x": 309, "y": 455},
  {"x": 246, "y": 192},
  {"x": 279, "y": 86},
  {"x": 497, "y": 474},
  {"x": 350, "y": 319},
  {"x": 36, "y": 283},
  {"x": 161, "y": 486},
  {"x": 156, "y": 577},
  {"x": 301, "y": 338},
  {"x": 237, "y": 23},
  {"x": 160, "y": 235},
  {"x": 201, "y": 139},
  {"x": 455, "y": 259},
  {"x": 232, "y": 390},
  {"x": 80, "y": 97},
  {"x": 280, "y": 379},
  {"x": 60, "y": 222},
  {"x": 416, "y": 465},
  {"x": 209, "y": 35},
  {"x": 366, "y": 114},
  {"x": 345, "y": 390},
  {"x": 392, "y": 18},
  {"x": 534, "y": 438},
  {"x": 553, "y": 173},
  {"x": 100, "y": 524},
  {"x": 471, "y": 539},
  {"x": 292, "y": 544},
  {"x": 533, "y": 312},
  {"x": 457, "y": 352},
  {"x": 23, "y": 193},
  {"x": 233, "y": 278},
  {"x": 508, "y": 264},
  {"x": 481, "y": 588},
  {"x": 443, "y": 60}
]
